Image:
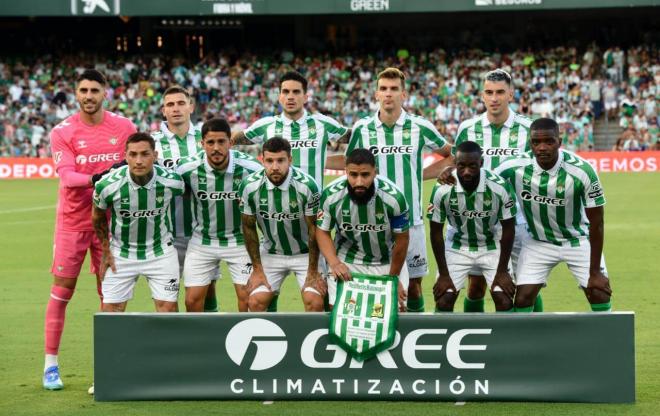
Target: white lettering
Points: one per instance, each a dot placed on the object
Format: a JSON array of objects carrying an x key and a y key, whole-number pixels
[
  {"x": 417, "y": 390},
  {"x": 292, "y": 386},
  {"x": 318, "y": 386},
  {"x": 374, "y": 386},
  {"x": 370, "y": 5},
  {"x": 309, "y": 345},
  {"x": 410, "y": 347},
  {"x": 384, "y": 357},
  {"x": 233, "y": 387},
  {"x": 396, "y": 386},
  {"x": 454, "y": 348},
  {"x": 480, "y": 388},
  {"x": 338, "y": 382},
  {"x": 255, "y": 387}
]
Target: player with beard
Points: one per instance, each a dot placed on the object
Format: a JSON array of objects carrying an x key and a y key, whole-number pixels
[
  {"x": 369, "y": 215},
  {"x": 83, "y": 146},
  {"x": 282, "y": 200},
  {"x": 481, "y": 209}
]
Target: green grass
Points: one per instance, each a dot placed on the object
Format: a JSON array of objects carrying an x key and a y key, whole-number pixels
[{"x": 632, "y": 248}]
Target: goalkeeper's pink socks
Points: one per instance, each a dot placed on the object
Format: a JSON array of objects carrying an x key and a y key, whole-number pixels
[{"x": 55, "y": 312}]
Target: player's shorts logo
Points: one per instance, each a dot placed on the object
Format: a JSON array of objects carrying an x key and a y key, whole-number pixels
[
  {"x": 172, "y": 285},
  {"x": 546, "y": 200},
  {"x": 270, "y": 349},
  {"x": 391, "y": 150}
]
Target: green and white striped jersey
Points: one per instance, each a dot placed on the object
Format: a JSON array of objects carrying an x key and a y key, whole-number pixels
[
  {"x": 309, "y": 137},
  {"x": 474, "y": 217},
  {"x": 215, "y": 197},
  {"x": 364, "y": 233},
  {"x": 398, "y": 150},
  {"x": 139, "y": 222},
  {"x": 281, "y": 210},
  {"x": 170, "y": 149},
  {"x": 498, "y": 143},
  {"x": 553, "y": 201}
]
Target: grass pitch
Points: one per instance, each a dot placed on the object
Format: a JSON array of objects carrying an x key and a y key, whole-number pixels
[{"x": 27, "y": 213}]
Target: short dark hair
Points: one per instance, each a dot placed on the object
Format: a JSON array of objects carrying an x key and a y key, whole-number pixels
[
  {"x": 498, "y": 75},
  {"x": 392, "y": 73},
  {"x": 545, "y": 123},
  {"x": 361, "y": 157},
  {"x": 141, "y": 137},
  {"x": 275, "y": 145},
  {"x": 177, "y": 89},
  {"x": 468, "y": 147},
  {"x": 216, "y": 124},
  {"x": 294, "y": 76},
  {"x": 91, "y": 74}
]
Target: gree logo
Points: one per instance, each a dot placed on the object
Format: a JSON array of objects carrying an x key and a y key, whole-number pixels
[{"x": 259, "y": 332}]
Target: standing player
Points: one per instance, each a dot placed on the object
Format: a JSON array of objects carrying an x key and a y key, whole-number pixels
[
  {"x": 178, "y": 138},
  {"x": 283, "y": 201},
  {"x": 369, "y": 215},
  {"x": 83, "y": 145},
  {"x": 308, "y": 134},
  {"x": 501, "y": 133},
  {"x": 481, "y": 209},
  {"x": 213, "y": 179},
  {"x": 562, "y": 199},
  {"x": 138, "y": 197},
  {"x": 398, "y": 139}
]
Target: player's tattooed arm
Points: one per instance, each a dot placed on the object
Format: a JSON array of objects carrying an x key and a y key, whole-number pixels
[
  {"x": 100, "y": 222},
  {"x": 313, "y": 276},
  {"x": 399, "y": 253},
  {"x": 598, "y": 288},
  {"x": 239, "y": 138},
  {"x": 344, "y": 139},
  {"x": 257, "y": 277},
  {"x": 327, "y": 248}
]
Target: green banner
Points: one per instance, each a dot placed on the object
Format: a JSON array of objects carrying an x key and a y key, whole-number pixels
[
  {"x": 364, "y": 319},
  {"x": 288, "y": 7},
  {"x": 584, "y": 357}
]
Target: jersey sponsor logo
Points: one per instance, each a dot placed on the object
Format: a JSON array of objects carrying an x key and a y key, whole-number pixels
[
  {"x": 267, "y": 336},
  {"x": 304, "y": 144},
  {"x": 57, "y": 157},
  {"x": 215, "y": 196},
  {"x": 142, "y": 213},
  {"x": 280, "y": 216},
  {"x": 546, "y": 200},
  {"x": 595, "y": 191},
  {"x": 103, "y": 157},
  {"x": 391, "y": 150},
  {"x": 169, "y": 162},
  {"x": 510, "y": 204},
  {"x": 364, "y": 227},
  {"x": 471, "y": 214},
  {"x": 493, "y": 151}
]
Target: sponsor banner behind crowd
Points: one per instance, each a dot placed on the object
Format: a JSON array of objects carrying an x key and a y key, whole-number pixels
[
  {"x": 36, "y": 168},
  {"x": 578, "y": 357}
]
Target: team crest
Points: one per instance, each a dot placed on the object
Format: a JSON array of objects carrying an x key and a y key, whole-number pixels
[
  {"x": 560, "y": 189},
  {"x": 377, "y": 311},
  {"x": 237, "y": 181},
  {"x": 113, "y": 140},
  {"x": 380, "y": 215},
  {"x": 159, "y": 199},
  {"x": 488, "y": 202},
  {"x": 350, "y": 306},
  {"x": 293, "y": 204},
  {"x": 406, "y": 134},
  {"x": 312, "y": 131}
]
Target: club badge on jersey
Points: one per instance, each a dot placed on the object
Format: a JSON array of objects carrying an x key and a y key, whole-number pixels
[{"x": 364, "y": 319}]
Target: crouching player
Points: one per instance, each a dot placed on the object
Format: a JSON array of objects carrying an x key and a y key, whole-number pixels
[
  {"x": 479, "y": 208},
  {"x": 138, "y": 197}
]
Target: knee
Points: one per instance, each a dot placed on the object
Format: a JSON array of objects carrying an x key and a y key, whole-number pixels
[
  {"x": 477, "y": 287},
  {"x": 256, "y": 303},
  {"x": 313, "y": 302},
  {"x": 524, "y": 299},
  {"x": 502, "y": 302},
  {"x": 446, "y": 302},
  {"x": 415, "y": 288}
]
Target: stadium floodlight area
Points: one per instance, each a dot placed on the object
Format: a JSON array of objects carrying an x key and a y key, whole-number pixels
[{"x": 553, "y": 357}]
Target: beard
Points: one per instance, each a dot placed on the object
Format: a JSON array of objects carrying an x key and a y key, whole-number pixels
[{"x": 361, "y": 199}]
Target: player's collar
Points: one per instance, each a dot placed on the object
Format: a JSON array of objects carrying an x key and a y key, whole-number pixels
[
  {"x": 480, "y": 186},
  {"x": 399, "y": 122},
  {"x": 168, "y": 133},
  {"x": 287, "y": 121},
  {"x": 553, "y": 170},
  {"x": 284, "y": 185},
  {"x": 230, "y": 165},
  {"x": 508, "y": 123},
  {"x": 148, "y": 185}
]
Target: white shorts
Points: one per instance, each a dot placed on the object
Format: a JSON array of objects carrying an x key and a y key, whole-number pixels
[
  {"x": 521, "y": 231},
  {"x": 277, "y": 267},
  {"x": 181, "y": 246},
  {"x": 538, "y": 258},
  {"x": 378, "y": 270},
  {"x": 161, "y": 273},
  {"x": 416, "y": 258},
  {"x": 462, "y": 263},
  {"x": 611, "y": 105},
  {"x": 203, "y": 264}
]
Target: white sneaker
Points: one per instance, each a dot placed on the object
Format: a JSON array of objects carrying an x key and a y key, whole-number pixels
[{"x": 91, "y": 390}]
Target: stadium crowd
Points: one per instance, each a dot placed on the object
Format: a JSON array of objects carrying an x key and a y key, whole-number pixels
[{"x": 574, "y": 87}]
